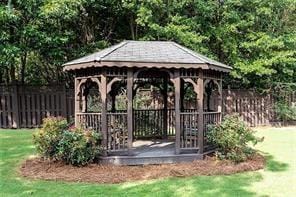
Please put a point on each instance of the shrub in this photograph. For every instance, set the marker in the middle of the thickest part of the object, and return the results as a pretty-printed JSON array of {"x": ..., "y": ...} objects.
[
  {"x": 55, "y": 140},
  {"x": 78, "y": 147},
  {"x": 232, "y": 138},
  {"x": 284, "y": 111},
  {"x": 48, "y": 137}
]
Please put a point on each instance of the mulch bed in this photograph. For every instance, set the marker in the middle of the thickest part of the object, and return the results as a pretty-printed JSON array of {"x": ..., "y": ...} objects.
[{"x": 95, "y": 173}]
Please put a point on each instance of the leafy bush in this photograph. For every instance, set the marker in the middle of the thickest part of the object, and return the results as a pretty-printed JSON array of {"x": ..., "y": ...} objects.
[
  {"x": 284, "y": 111},
  {"x": 49, "y": 136},
  {"x": 78, "y": 147},
  {"x": 232, "y": 138},
  {"x": 55, "y": 140}
]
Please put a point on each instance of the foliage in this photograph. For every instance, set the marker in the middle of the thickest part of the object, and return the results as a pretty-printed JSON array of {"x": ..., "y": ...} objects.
[
  {"x": 256, "y": 37},
  {"x": 48, "y": 137},
  {"x": 232, "y": 138},
  {"x": 142, "y": 100},
  {"x": 78, "y": 147},
  {"x": 284, "y": 111},
  {"x": 55, "y": 140},
  {"x": 94, "y": 100}
]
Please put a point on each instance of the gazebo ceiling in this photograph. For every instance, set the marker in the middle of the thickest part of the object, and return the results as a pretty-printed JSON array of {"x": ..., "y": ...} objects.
[{"x": 148, "y": 54}]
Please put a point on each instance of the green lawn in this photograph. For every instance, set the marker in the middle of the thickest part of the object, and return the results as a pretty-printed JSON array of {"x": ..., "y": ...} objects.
[{"x": 277, "y": 179}]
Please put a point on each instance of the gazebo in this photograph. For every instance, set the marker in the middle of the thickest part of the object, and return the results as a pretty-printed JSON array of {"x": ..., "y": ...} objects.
[{"x": 145, "y": 136}]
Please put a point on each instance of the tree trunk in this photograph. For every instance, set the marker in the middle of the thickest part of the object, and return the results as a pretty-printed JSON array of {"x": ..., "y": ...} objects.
[
  {"x": 132, "y": 22},
  {"x": 9, "y": 5},
  {"x": 1, "y": 74},
  {"x": 12, "y": 74},
  {"x": 23, "y": 67}
]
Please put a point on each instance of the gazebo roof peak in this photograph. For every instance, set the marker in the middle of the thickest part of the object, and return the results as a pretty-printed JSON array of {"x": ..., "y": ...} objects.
[{"x": 159, "y": 54}]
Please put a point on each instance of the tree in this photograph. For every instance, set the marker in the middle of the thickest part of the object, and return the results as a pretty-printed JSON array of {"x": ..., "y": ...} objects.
[{"x": 256, "y": 37}]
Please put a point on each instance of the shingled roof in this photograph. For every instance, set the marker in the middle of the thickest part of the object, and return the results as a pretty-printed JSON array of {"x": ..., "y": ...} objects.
[{"x": 159, "y": 54}]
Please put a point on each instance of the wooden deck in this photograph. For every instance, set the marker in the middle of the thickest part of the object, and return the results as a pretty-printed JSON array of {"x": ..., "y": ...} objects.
[{"x": 151, "y": 152}]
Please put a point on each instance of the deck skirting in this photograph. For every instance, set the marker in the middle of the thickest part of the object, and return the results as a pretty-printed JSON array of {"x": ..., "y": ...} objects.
[{"x": 148, "y": 160}]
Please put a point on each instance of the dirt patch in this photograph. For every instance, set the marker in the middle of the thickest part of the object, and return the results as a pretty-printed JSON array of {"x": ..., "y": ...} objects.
[{"x": 40, "y": 169}]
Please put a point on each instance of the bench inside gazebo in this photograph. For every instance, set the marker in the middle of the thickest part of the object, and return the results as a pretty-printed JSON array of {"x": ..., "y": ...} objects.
[{"x": 107, "y": 85}]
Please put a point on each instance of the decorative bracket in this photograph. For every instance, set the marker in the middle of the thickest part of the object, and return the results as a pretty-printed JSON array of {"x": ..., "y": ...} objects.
[
  {"x": 215, "y": 82},
  {"x": 79, "y": 85},
  {"x": 109, "y": 85},
  {"x": 195, "y": 85},
  {"x": 82, "y": 81}
]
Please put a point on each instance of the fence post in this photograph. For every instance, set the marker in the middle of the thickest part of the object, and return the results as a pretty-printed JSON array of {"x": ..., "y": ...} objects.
[
  {"x": 270, "y": 109},
  {"x": 15, "y": 107},
  {"x": 64, "y": 102}
]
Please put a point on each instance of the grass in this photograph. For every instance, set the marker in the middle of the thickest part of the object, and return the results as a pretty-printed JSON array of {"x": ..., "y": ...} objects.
[{"x": 277, "y": 179}]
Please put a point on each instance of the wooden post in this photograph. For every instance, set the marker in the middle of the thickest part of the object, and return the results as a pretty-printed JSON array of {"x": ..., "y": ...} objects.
[
  {"x": 200, "y": 112},
  {"x": 103, "y": 92},
  {"x": 220, "y": 105},
  {"x": 165, "y": 107},
  {"x": 177, "y": 83},
  {"x": 77, "y": 102},
  {"x": 182, "y": 95},
  {"x": 130, "y": 81},
  {"x": 15, "y": 108},
  {"x": 83, "y": 100}
]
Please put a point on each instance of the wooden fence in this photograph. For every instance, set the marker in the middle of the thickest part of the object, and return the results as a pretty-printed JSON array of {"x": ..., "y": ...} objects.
[
  {"x": 26, "y": 106},
  {"x": 254, "y": 108}
]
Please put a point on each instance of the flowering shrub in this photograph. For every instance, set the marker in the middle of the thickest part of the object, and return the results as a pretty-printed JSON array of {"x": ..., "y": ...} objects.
[
  {"x": 49, "y": 135},
  {"x": 232, "y": 138},
  {"x": 76, "y": 146}
]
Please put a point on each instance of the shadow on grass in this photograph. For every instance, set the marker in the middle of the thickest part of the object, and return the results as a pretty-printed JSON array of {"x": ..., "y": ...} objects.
[
  {"x": 234, "y": 185},
  {"x": 275, "y": 166}
]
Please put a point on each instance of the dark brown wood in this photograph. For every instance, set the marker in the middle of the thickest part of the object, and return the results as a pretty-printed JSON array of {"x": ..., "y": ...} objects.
[
  {"x": 29, "y": 110},
  {"x": 90, "y": 121},
  {"x": 8, "y": 107},
  {"x": 220, "y": 99},
  {"x": 34, "y": 110},
  {"x": 24, "y": 112},
  {"x": 103, "y": 91},
  {"x": 38, "y": 109},
  {"x": 117, "y": 131},
  {"x": 63, "y": 101},
  {"x": 130, "y": 81},
  {"x": 138, "y": 65},
  {"x": 177, "y": 84},
  {"x": 165, "y": 107},
  {"x": 15, "y": 107},
  {"x": 189, "y": 129},
  {"x": 200, "y": 112},
  {"x": 76, "y": 102},
  {"x": 148, "y": 123},
  {"x": 234, "y": 101},
  {"x": 149, "y": 160}
]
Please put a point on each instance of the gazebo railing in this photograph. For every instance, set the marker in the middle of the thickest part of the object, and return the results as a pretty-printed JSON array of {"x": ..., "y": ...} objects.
[
  {"x": 150, "y": 123},
  {"x": 90, "y": 121},
  {"x": 117, "y": 135},
  {"x": 154, "y": 122},
  {"x": 117, "y": 127},
  {"x": 189, "y": 127},
  {"x": 210, "y": 118}
]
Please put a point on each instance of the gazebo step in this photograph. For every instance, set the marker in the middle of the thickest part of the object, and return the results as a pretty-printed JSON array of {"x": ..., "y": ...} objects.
[{"x": 145, "y": 160}]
